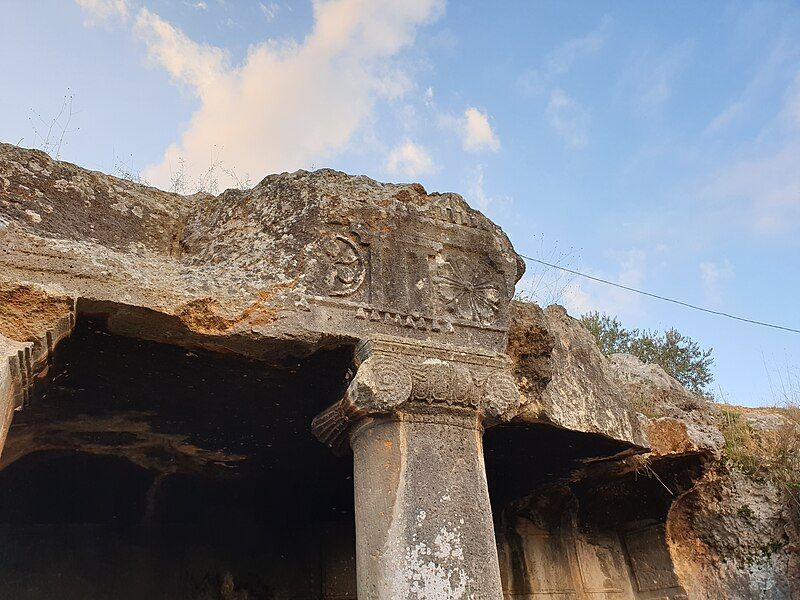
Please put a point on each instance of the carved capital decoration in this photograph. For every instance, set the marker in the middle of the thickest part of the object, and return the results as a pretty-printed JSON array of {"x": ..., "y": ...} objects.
[
  {"x": 502, "y": 395},
  {"x": 380, "y": 386},
  {"x": 395, "y": 376},
  {"x": 442, "y": 382}
]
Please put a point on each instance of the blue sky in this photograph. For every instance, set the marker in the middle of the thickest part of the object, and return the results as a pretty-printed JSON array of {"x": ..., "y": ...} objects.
[{"x": 656, "y": 145}]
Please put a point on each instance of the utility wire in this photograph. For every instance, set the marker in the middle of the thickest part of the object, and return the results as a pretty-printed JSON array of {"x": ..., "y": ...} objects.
[{"x": 686, "y": 304}]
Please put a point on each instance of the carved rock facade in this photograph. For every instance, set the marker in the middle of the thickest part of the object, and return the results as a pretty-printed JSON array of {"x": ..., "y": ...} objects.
[{"x": 164, "y": 355}]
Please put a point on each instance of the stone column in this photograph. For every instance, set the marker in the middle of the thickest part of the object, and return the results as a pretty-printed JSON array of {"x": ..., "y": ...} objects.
[{"x": 414, "y": 418}]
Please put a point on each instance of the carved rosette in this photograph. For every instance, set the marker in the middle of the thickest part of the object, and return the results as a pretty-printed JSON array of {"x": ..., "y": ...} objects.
[
  {"x": 345, "y": 266},
  {"x": 470, "y": 290},
  {"x": 400, "y": 378}
]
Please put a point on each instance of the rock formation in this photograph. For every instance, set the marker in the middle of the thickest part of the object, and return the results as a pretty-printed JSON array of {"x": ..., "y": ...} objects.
[{"x": 166, "y": 361}]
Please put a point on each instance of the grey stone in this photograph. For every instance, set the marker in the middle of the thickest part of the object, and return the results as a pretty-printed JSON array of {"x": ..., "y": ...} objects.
[
  {"x": 423, "y": 521},
  {"x": 415, "y": 415},
  {"x": 565, "y": 380}
]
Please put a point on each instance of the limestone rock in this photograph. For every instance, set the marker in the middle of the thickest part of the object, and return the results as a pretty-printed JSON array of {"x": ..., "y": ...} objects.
[
  {"x": 733, "y": 537},
  {"x": 300, "y": 261},
  {"x": 678, "y": 420},
  {"x": 308, "y": 261},
  {"x": 565, "y": 379}
]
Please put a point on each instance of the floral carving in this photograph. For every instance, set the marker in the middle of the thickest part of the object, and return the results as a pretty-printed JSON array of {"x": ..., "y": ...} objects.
[
  {"x": 422, "y": 382},
  {"x": 443, "y": 383},
  {"x": 347, "y": 269},
  {"x": 469, "y": 290}
]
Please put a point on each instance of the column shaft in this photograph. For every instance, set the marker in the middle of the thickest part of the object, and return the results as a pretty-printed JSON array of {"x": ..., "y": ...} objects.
[{"x": 423, "y": 520}]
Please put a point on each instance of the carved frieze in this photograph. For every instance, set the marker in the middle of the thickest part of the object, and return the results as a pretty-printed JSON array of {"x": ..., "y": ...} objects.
[
  {"x": 397, "y": 376},
  {"x": 420, "y": 266},
  {"x": 419, "y": 289},
  {"x": 443, "y": 382},
  {"x": 399, "y": 319}
]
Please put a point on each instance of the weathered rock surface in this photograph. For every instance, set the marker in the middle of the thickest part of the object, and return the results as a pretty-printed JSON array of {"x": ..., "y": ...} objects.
[
  {"x": 302, "y": 258},
  {"x": 301, "y": 261},
  {"x": 309, "y": 261},
  {"x": 679, "y": 421},
  {"x": 565, "y": 379},
  {"x": 733, "y": 537}
]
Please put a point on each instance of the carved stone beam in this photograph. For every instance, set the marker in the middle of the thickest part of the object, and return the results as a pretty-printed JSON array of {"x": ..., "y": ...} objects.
[{"x": 414, "y": 417}]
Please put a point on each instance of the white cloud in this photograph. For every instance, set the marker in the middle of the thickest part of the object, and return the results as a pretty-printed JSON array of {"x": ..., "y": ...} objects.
[
  {"x": 472, "y": 127},
  {"x": 100, "y": 11},
  {"x": 477, "y": 195},
  {"x": 289, "y": 103},
  {"x": 477, "y": 132},
  {"x": 760, "y": 187},
  {"x": 200, "y": 5},
  {"x": 758, "y": 183},
  {"x": 269, "y": 10},
  {"x": 564, "y": 114},
  {"x": 656, "y": 76},
  {"x": 561, "y": 59},
  {"x": 727, "y": 116},
  {"x": 577, "y": 301},
  {"x": 410, "y": 159},
  {"x": 713, "y": 276},
  {"x": 768, "y": 186},
  {"x": 780, "y": 59},
  {"x": 200, "y": 66},
  {"x": 581, "y": 296},
  {"x": 569, "y": 119},
  {"x": 476, "y": 192}
]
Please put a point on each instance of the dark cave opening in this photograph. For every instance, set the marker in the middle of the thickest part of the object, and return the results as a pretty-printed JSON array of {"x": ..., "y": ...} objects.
[
  {"x": 522, "y": 457},
  {"x": 145, "y": 470},
  {"x": 52, "y": 487},
  {"x": 578, "y": 514}
]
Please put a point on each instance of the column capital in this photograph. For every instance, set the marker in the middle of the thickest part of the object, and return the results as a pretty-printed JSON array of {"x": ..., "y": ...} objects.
[{"x": 398, "y": 376}]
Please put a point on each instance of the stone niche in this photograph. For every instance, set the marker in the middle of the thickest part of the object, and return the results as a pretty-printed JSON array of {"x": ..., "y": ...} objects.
[{"x": 562, "y": 535}]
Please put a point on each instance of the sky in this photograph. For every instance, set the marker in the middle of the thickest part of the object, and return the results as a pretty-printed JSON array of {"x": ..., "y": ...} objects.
[{"x": 655, "y": 145}]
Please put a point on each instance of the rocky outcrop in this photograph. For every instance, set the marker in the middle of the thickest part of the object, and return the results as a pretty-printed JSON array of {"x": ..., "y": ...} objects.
[
  {"x": 734, "y": 537},
  {"x": 736, "y": 533},
  {"x": 678, "y": 421},
  {"x": 731, "y": 532},
  {"x": 305, "y": 262},
  {"x": 565, "y": 380},
  {"x": 303, "y": 259}
]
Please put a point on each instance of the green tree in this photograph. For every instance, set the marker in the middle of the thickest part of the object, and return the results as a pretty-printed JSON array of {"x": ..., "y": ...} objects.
[{"x": 677, "y": 354}]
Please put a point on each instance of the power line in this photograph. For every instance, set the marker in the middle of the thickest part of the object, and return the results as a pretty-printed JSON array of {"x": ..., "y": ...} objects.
[{"x": 658, "y": 297}]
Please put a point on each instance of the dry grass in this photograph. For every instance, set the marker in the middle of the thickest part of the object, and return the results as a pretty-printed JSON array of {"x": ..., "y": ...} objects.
[
  {"x": 771, "y": 452},
  {"x": 765, "y": 454}
]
